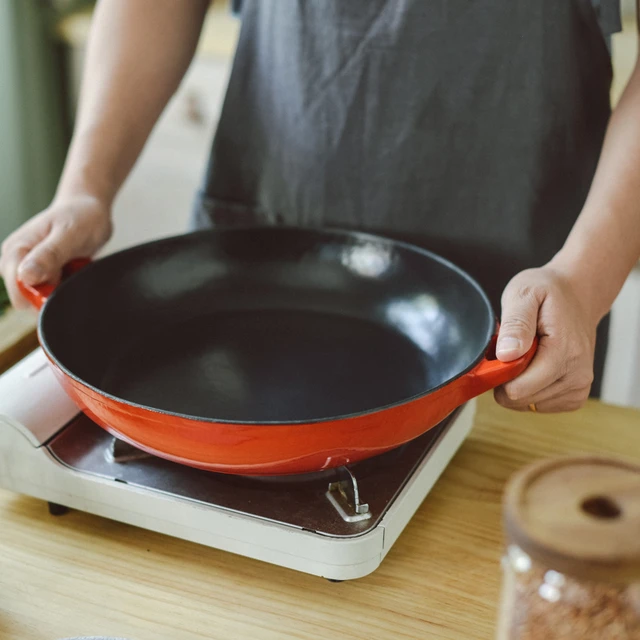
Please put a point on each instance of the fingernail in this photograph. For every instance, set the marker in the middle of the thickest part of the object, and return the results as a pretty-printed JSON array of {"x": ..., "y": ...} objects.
[
  {"x": 508, "y": 345},
  {"x": 31, "y": 272}
]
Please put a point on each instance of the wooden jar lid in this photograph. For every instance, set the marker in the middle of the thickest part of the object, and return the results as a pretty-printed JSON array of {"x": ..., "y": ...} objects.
[{"x": 579, "y": 516}]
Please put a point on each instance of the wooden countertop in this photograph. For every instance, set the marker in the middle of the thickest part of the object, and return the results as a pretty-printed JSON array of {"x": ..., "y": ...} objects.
[
  {"x": 17, "y": 336},
  {"x": 83, "y": 575}
]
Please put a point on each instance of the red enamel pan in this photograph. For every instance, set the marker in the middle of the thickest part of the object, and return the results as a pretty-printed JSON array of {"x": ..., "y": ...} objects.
[{"x": 270, "y": 351}]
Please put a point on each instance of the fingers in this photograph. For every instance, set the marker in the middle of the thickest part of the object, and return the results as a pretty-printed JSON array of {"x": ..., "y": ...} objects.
[
  {"x": 540, "y": 301},
  {"x": 559, "y": 378},
  {"x": 14, "y": 250},
  {"x": 519, "y": 322},
  {"x": 44, "y": 262},
  {"x": 548, "y": 366},
  {"x": 553, "y": 382},
  {"x": 554, "y": 399},
  {"x": 11, "y": 258},
  {"x": 36, "y": 252},
  {"x": 563, "y": 403}
]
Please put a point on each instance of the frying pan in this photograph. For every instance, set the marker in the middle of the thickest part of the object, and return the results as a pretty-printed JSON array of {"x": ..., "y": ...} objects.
[{"x": 269, "y": 351}]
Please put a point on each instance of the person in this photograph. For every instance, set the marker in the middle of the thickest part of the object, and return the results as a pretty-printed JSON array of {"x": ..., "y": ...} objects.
[{"x": 481, "y": 131}]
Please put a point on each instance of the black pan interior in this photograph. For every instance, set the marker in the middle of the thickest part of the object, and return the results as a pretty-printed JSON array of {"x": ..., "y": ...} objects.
[{"x": 267, "y": 325}]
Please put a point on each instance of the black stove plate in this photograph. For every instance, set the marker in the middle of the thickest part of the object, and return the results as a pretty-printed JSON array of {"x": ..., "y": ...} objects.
[{"x": 298, "y": 501}]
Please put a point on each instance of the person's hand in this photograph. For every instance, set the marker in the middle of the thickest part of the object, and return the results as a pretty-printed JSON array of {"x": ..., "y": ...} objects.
[
  {"x": 544, "y": 302},
  {"x": 36, "y": 252}
]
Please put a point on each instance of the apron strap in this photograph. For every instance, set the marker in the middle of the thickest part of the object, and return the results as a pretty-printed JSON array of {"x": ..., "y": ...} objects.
[{"x": 609, "y": 14}]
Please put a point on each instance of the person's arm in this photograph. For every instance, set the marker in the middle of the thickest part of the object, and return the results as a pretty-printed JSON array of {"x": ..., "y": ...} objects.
[
  {"x": 604, "y": 244},
  {"x": 137, "y": 55},
  {"x": 138, "y": 52},
  {"x": 564, "y": 301}
]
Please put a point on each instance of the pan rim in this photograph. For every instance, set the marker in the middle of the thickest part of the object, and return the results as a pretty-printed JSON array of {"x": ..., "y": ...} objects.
[{"x": 328, "y": 231}]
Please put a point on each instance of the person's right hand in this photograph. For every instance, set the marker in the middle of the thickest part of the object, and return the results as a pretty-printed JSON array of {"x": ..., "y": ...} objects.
[{"x": 36, "y": 252}]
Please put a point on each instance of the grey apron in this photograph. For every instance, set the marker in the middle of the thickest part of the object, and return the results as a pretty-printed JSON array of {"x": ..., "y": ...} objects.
[{"x": 470, "y": 127}]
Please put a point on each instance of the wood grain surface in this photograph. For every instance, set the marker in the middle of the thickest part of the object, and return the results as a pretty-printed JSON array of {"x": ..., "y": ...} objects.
[
  {"x": 83, "y": 575},
  {"x": 17, "y": 336}
]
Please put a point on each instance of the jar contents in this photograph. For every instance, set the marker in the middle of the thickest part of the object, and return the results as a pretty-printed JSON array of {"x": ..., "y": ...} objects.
[
  {"x": 571, "y": 570},
  {"x": 548, "y": 605}
]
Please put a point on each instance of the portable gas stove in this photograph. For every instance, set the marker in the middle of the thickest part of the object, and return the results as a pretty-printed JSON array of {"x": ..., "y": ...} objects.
[{"x": 337, "y": 523}]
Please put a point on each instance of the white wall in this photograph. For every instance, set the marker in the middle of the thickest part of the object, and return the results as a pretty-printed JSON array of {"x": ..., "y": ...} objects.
[
  {"x": 628, "y": 7},
  {"x": 621, "y": 384}
]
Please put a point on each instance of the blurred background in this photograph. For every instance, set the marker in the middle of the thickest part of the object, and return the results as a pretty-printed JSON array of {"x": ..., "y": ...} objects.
[
  {"x": 42, "y": 44},
  {"x": 41, "y": 61}
]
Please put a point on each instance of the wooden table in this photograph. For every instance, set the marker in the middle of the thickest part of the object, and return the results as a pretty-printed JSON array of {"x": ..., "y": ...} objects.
[
  {"x": 83, "y": 575},
  {"x": 17, "y": 337}
]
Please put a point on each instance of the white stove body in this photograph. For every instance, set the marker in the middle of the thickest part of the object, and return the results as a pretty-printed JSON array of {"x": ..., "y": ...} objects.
[{"x": 33, "y": 408}]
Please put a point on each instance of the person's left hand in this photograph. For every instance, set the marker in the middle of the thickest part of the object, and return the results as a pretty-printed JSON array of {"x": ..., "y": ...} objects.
[{"x": 543, "y": 302}]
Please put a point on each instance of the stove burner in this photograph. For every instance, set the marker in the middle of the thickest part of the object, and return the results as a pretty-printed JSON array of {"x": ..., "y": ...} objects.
[
  {"x": 343, "y": 502},
  {"x": 344, "y": 495},
  {"x": 120, "y": 452},
  {"x": 360, "y": 469},
  {"x": 342, "y": 492}
]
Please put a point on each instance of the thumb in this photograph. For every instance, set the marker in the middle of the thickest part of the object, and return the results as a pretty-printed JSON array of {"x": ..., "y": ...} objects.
[
  {"x": 45, "y": 261},
  {"x": 519, "y": 324}
]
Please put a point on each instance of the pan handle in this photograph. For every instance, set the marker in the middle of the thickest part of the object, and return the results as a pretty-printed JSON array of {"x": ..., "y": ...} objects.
[
  {"x": 37, "y": 295},
  {"x": 491, "y": 372}
]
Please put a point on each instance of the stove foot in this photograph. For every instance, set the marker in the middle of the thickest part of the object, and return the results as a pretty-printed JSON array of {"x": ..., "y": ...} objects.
[{"x": 57, "y": 509}]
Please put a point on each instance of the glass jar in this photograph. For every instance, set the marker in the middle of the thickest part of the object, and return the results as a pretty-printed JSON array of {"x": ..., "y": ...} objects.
[{"x": 571, "y": 570}]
